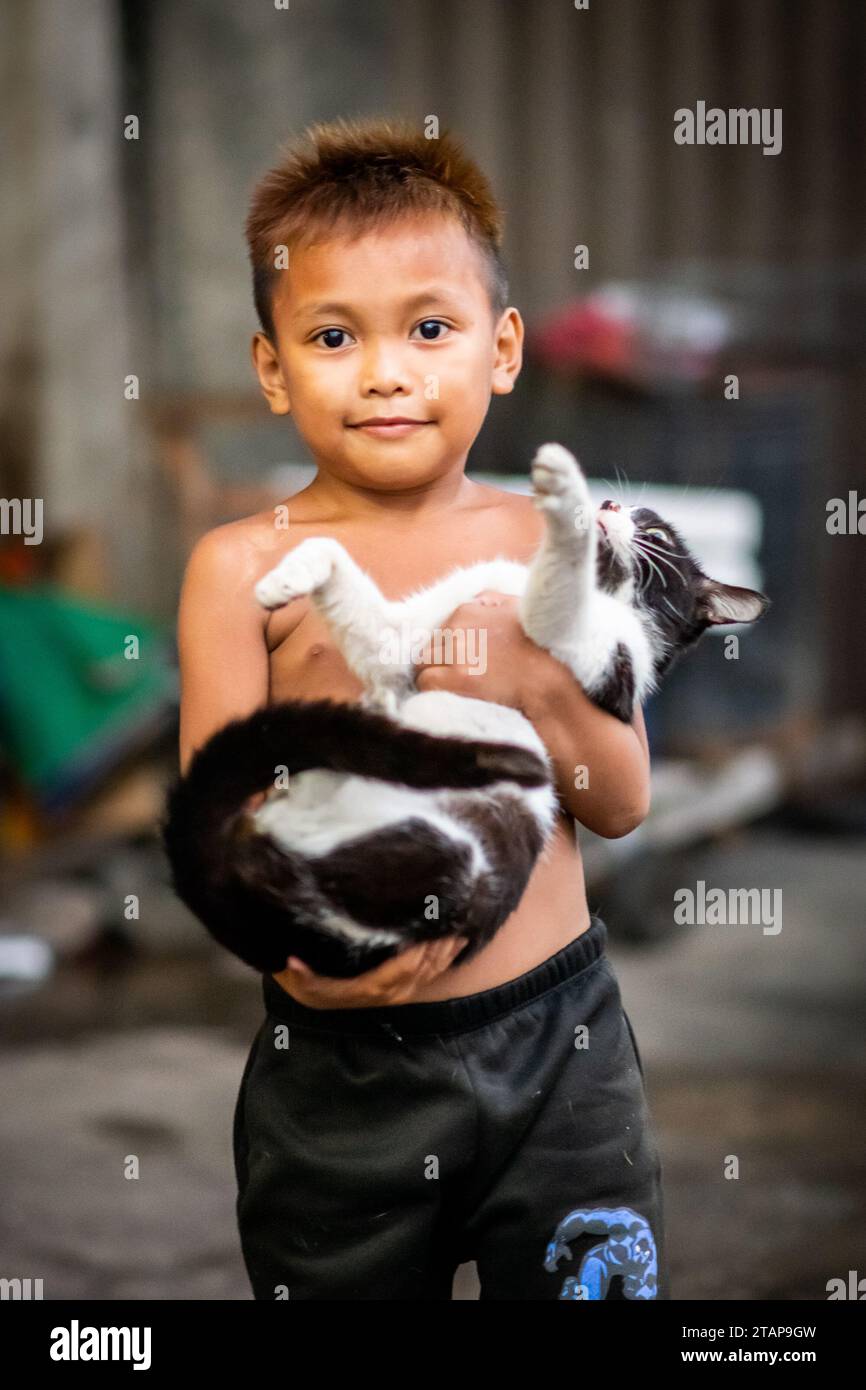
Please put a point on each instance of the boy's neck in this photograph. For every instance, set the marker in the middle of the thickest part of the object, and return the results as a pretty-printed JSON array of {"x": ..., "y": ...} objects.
[{"x": 339, "y": 499}]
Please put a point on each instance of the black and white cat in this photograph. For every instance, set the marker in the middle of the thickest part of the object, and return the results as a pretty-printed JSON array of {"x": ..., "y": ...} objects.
[{"x": 418, "y": 815}]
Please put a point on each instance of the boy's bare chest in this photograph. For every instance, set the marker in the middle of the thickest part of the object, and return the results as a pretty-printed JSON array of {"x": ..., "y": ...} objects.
[{"x": 304, "y": 662}]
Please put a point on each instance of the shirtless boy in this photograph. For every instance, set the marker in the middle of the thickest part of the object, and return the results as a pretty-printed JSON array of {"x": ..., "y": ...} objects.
[{"x": 382, "y": 297}]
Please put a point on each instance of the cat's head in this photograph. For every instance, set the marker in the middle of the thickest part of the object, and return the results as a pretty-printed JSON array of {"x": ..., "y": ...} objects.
[{"x": 642, "y": 556}]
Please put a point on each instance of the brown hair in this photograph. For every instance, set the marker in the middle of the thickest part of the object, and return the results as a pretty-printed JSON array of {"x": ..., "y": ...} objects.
[{"x": 344, "y": 175}]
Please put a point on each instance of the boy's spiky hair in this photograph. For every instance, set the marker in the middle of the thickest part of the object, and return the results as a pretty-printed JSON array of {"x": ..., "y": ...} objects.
[{"x": 344, "y": 175}]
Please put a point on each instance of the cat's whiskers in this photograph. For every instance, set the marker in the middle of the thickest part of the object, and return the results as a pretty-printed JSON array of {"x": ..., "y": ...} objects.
[
  {"x": 667, "y": 563},
  {"x": 654, "y": 545},
  {"x": 638, "y": 501},
  {"x": 655, "y": 567},
  {"x": 618, "y": 489},
  {"x": 622, "y": 486},
  {"x": 644, "y": 545},
  {"x": 643, "y": 556},
  {"x": 643, "y": 567},
  {"x": 613, "y": 488}
]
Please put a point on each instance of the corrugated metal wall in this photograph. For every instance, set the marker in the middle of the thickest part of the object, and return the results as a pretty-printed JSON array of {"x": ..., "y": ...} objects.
[{"x": 572, "y": 112}]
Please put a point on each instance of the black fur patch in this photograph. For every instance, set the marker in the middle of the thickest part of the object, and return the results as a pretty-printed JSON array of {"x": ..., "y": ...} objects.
[
  {"x": 616, "y": 695},
  {"x": 511, "y": 839}
]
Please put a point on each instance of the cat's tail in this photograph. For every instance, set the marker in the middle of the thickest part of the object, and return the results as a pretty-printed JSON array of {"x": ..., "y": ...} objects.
[
  {"x": 212, "y": 846},
  {"x": 247, "y": 755}
]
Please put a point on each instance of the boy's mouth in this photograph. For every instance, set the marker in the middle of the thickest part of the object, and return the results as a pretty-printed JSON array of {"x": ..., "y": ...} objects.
[{"x": 390, "y": 426}]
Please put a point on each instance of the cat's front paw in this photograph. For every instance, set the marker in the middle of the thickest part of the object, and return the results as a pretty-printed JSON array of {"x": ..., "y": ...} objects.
[
  {"x": 556, "y": 476},
  {"x": 558, "y": 481},
  {"x": 304, "y": 570}
]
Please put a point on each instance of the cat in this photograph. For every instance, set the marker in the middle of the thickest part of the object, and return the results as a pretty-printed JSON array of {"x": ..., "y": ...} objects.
[{"x": 412, "y": 816}]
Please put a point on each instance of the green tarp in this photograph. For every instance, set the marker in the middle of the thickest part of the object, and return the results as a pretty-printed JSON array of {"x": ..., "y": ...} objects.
[{"x": 74, "y": 695}]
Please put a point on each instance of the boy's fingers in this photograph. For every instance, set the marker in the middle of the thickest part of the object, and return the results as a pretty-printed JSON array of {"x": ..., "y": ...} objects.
[
  {"x": 426, "y": 961},
  {"x": 456, "y": 948},
  {"x": 443, "y": 954},
  {"x": 307, "y": 985},
  {"x": 435, "y": 954},
  {"x": 444, "y": 951},
  {"x": 391, "y": 974},
  {"x": 409, "y": 964},
  {"x": 391, "y": 980},
  {"x": 394, "y": 977}
]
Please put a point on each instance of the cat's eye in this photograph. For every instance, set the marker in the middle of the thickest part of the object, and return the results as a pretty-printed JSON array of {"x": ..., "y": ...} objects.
[{"x": 657, "y": 531}]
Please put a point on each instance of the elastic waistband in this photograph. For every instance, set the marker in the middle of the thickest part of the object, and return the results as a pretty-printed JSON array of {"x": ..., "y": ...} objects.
[{"x": 446, "y": 1015}]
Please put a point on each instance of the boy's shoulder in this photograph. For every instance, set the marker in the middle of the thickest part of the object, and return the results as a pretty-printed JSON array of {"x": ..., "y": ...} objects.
[
  {"x": 221, "y": 573},
  {"x": 244, "y": 550},
  {"x": 240, "y": 544}
]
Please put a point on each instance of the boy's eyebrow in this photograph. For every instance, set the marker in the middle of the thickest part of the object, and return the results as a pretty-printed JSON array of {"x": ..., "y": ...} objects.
[{"x": 433, "y": 295}]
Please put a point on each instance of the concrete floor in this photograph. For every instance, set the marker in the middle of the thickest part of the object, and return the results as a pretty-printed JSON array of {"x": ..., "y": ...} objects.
[{"x": 753, "y": 1045}]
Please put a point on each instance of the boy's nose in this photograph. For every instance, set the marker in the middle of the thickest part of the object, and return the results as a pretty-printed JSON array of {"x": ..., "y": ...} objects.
[{"x": 384, "y": 373}]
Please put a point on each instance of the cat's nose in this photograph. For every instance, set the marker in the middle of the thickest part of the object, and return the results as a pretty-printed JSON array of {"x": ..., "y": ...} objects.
[{"x": 610, "y": 506}]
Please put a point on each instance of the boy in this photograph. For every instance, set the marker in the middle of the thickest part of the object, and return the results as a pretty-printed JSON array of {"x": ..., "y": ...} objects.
[{"x": 421, "y": 1115}]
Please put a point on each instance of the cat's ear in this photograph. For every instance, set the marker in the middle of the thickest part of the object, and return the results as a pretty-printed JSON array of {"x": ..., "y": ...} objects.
[{"x": 728, "y": 603}]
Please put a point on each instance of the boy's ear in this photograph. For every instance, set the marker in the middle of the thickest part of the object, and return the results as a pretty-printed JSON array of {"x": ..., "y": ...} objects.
[
  {"x": 508, "y": 357},
  {"x": 270, "y": 374}
]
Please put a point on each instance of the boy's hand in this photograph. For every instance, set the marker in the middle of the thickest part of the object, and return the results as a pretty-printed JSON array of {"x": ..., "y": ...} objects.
[
  {"x": 395, "y": 981},
  {"x": 500, "y": 660}
]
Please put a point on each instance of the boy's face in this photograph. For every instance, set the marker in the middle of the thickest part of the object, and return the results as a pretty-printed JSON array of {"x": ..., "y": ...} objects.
[{"x": 392, "y": 322}]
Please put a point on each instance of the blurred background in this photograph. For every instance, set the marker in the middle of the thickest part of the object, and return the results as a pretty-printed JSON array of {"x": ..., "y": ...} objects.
[{"x": 708, "y": 351}]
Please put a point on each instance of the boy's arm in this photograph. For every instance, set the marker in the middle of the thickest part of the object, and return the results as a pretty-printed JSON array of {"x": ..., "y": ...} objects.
[
  {"x": 221, "y": 643},
  {"x": 601, "y": 765}
]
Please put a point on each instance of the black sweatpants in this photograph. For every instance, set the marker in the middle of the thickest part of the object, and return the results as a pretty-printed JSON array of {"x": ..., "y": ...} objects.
[{"x": 376, "y": 1149}]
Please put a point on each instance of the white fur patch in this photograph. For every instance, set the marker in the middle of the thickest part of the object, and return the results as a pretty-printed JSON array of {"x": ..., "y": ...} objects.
[{"x": 322, "y": 811}]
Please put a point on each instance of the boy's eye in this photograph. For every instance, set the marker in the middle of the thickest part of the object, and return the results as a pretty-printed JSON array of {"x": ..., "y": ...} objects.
[
  {"x": 327, "y": 333},
  {"x": 431, "y": 323}
]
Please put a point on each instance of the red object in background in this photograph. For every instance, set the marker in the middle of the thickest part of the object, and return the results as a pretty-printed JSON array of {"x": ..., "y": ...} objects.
[
  {"x": 583, "y": 336},
  {"x": 652, "y": 336},
  {"x": 19, "y": 563}
]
